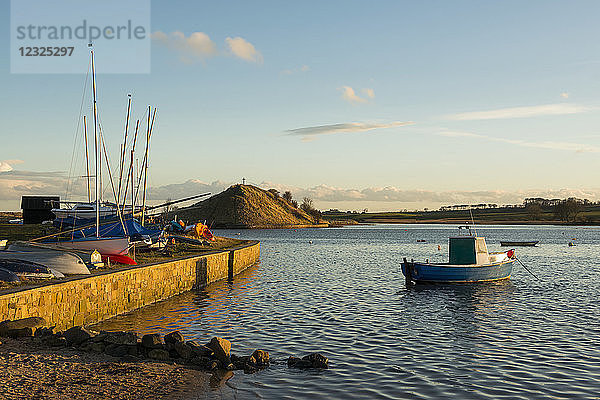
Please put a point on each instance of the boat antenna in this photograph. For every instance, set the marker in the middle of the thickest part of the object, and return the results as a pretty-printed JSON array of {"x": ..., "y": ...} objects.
[{"x": 472, "y": 220}]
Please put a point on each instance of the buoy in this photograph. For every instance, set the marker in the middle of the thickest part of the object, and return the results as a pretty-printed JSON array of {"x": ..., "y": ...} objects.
[{"x": 439, "y": 247}]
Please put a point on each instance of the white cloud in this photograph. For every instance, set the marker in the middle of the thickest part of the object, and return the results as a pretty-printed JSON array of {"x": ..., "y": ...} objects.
[
  {"x": 243, "y": 49},
  {"x": 329, "y": 195},
  {"x": 521, "y": 112},
  {"x": 292, "y": 71},
  {"x": 309, "y": 133},
  {"x": 350, "y": 96},
  {"x": 197, "y": 46},
  {"x": 7, "y": 165},
  {"x": 548, "y": 145}
]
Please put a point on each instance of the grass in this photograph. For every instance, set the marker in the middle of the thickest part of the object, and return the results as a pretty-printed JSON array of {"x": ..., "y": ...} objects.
[{"x": 589, "y": 215}]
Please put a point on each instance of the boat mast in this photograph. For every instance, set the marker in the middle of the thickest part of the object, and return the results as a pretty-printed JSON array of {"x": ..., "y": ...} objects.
[
  {"x": 96, "y": 146},
  {"x": 132, "y": 191},
  {"x": 122, "y": 161},
  {"x": 87, "y": 159},
  {"x": 129, "y": 170},
  {"x": 112, "y": 185},
  {"x": 145, "y": 163}
]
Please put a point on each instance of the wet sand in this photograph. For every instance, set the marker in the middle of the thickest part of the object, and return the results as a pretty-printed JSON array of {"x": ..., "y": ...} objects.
[{"x": 29, "y": 370}]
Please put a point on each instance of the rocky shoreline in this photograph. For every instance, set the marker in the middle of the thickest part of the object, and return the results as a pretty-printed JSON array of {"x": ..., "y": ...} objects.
[{"x": 36, "y": 362}]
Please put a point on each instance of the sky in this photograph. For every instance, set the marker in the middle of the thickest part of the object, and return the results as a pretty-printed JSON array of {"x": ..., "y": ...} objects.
[{"x": 383, "y": 105}]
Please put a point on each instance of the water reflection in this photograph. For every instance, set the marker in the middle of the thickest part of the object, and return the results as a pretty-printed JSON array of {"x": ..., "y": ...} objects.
[
  {"x": 341, "y": 292},
  {"x": 210, "y": 306}
]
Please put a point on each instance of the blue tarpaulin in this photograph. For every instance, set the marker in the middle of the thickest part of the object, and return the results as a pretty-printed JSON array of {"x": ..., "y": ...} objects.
[{"x": 134, "y": 230}]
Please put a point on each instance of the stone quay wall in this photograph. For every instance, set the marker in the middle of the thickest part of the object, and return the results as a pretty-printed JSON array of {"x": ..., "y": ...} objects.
[{"x": 91, "y": 299}]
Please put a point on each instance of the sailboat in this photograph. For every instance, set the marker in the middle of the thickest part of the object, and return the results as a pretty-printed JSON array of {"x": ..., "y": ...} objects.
[
  {"x": 107, "y": 246},
  {"x": 84, "y": 211}
]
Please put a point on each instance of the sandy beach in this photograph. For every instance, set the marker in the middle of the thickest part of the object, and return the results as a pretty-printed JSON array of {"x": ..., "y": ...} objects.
[{"x": 29, "y": 370}]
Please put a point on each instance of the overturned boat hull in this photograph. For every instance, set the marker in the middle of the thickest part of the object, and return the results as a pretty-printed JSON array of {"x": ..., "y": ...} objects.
[
  {"x": 8, "y": 276},
  {"x": 28, "y": 269},
  {"x": 62, "y": 261}
]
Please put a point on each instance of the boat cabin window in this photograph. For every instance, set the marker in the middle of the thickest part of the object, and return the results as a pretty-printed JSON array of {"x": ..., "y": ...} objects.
[{"x": 84, "y": 208}]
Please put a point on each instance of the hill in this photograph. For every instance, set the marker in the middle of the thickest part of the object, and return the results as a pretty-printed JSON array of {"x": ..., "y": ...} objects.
[{"x": 246, "y": 206}]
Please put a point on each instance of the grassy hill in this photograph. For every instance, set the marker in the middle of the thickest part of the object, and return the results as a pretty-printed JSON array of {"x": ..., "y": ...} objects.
[{"x": 246, "y": 206}]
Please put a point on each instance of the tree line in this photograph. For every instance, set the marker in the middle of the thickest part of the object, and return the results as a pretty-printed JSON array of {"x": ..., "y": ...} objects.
[{"x": 307, "y": 203}]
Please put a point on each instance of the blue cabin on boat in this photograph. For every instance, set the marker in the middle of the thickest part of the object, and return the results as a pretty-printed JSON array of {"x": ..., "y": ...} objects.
[{"x": 466, "y": 250}]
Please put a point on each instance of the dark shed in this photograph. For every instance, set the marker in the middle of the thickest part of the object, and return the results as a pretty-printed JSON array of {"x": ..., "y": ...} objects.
[{"x": 36, "y": 209}]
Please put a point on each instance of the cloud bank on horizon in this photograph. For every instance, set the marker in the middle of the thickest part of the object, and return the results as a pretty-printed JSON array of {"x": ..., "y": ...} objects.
[{"x": 14, "y": 184}]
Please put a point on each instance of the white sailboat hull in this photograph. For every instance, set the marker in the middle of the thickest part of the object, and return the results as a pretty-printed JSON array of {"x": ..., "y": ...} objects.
[
  {"x": 83, "y": 214},
  {"x": 105, "y": 246},
  {"x": 60, "y": 260}
]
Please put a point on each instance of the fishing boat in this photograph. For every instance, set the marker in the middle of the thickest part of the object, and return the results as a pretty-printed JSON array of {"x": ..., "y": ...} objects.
[
  {"x": 531, "y": 243},
  {"x": 469, "y": 261}
]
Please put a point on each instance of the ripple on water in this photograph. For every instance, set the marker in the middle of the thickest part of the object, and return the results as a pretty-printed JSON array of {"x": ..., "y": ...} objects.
[{"x": 344, "y": 296}]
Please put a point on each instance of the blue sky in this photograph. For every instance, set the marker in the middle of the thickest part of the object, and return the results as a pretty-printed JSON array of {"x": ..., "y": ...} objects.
[{"x": 419, "y": 104}]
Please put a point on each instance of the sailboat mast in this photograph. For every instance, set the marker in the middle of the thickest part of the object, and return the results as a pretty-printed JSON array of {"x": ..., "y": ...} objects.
[
  {"x": 129, "y": 170},
  {"x": 96, "y": 148},
  {"x": 87, "y": 159},
  {"x": 145, "y": 165},
  {"x": 132, "y": 191},
  {"x": 124, "y": 147}
]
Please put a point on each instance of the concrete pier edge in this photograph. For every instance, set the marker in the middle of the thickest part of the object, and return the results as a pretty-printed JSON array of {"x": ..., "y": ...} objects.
[{"x": 86, "y": 300}]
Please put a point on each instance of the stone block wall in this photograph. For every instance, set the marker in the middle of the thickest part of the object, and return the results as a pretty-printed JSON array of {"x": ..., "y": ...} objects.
[{"x": 91, "y": 299}]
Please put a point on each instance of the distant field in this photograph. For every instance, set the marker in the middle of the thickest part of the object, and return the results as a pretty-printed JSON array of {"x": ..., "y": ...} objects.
[{"x": 589, "y": 215}]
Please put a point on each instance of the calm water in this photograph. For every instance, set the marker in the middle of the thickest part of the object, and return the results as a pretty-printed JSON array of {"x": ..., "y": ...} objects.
[{"x": 341, "y": 292}]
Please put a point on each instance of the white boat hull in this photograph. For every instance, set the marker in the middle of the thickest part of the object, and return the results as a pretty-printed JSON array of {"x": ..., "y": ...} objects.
[
  {"x": 61, "y": 261},
  {"x": 87, "y": 214},
  {"x": 105, "y": 246}
]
